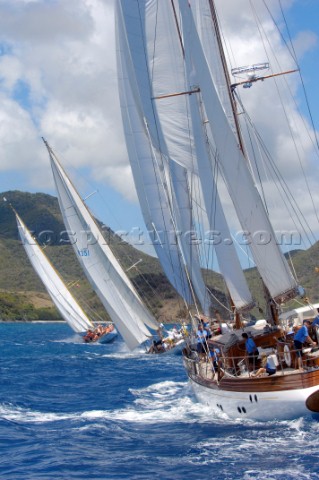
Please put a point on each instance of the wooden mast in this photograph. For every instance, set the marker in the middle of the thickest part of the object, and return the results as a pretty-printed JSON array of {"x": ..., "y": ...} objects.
[{"x": 271, "y": 304}]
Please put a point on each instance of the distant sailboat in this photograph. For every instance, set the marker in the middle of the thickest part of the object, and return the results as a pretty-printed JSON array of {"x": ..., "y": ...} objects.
[
  {"x": 62, "y": 298},
  {"x": 180, "y": 118},
  {"x": 120, "y": 299}
]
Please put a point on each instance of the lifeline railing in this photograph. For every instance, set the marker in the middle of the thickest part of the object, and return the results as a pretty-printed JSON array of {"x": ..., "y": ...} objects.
[{"x": 285, "y": 362}]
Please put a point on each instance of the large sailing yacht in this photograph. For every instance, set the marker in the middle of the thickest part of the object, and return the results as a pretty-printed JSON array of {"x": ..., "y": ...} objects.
[{"x": 185, "y": 144}]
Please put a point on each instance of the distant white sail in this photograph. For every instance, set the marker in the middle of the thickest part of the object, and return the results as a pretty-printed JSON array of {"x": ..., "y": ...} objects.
[
  {"x": 59, "y": 293},
  {"x": 103, "y": 271}
]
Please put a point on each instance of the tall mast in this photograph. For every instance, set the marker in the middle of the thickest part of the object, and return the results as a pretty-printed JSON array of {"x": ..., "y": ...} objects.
[
  {"x": 226, "y": 73},
  {"x": 233, "y": 107},
  {"x": 272, "y": 308}
]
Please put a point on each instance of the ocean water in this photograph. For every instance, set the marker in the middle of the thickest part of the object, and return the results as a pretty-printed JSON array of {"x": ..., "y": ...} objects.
[{"x": 72, "y": 411}]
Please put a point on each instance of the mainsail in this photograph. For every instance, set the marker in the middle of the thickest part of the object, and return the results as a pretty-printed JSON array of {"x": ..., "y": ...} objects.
[
  {"x": 165, "y": 102},
  {"x": 61, "y": 296},
  {"x": 176, "y": 109},
  {"x": 161, "y": 183},
  {"x": 102, "y": 269},
  {"x": 249, "y": 207}
]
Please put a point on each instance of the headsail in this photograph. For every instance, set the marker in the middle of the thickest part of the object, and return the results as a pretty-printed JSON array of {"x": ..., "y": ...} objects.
[
  {"x": 61, "y": 296},
  {"x": 103, "y": 271}
]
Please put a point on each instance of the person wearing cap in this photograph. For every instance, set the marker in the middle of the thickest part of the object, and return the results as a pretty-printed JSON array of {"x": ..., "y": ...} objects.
[{"x": 300, "y": 337}]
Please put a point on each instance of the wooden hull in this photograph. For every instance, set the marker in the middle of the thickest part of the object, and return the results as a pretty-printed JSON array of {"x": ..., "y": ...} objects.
[{"x": 279, "y": 397}]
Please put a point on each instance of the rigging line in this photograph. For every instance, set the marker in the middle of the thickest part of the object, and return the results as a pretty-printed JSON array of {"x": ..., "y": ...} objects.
[
  {"x": 256, "y": 166},
  {"x": 170, "y": 209},
  {"x": 224, "y": 69},
  {"x": 168, "y": 197},
  {"x": 288, "y": 31},
  {"x": 265, "y": 170},
  {"x": 200, "y": 229},
  {"x": 189, "y": 192},
  {"x": 279, "y": 177},
  {"x": 300, "y": 76},
  {"x": 218, "y": 301},
  {"x": 259, "y": 28},
  {"x": 83, "y": 300},
  {"x": 291, "y": 51},
  {"x": 192, "y": 225},
  {"x": 284, "y": 109},
  {"x": 168, "y": 254},
  {"x": 315, "y": 139},
  {"x": 154, "y": 42},
  {"x": 158, "y": 137},
  {"x": 93, "y": 312},
  {"x": 213, "y": 206},
  {"x": 251, "y": 261},
  {"x": 177, "y": 27},
  {"x": 295, "y": 144},
  {"x": 292, "y": 266}
]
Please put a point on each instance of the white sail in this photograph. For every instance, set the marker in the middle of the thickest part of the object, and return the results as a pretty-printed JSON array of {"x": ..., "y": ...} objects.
[
  {"x": 100, "y": 265},
  {"x": 173, "y": 117},
  {"x": 227, "y": 258},
  {"x": 59, "y": 293},
  {"x": 202, "y": 12},
  {"x": 251, "y": 213},
  {"x": 161, "y": 184}
]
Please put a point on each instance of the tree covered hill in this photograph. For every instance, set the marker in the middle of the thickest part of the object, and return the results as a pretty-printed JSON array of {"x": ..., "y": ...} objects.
[
  {"x": 22, "y": 294},
  {"x": 20, "y": 286}
]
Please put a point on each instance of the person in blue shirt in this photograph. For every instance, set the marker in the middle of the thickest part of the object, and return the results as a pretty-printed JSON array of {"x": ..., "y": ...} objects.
[
  {"x": 201, "y": 339},
  {"x": 316, "y": 320},
  {"x": 251, "y": 349},
  {"x": 300, "y": 337},
  {"x": 214, "y": 354}
]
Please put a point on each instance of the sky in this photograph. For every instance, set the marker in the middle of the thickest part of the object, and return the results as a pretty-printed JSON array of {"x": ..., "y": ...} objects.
[{"x": 58, "y": 81}]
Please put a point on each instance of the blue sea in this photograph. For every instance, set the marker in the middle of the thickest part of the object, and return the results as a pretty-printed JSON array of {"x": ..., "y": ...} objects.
[{"x": 74, "y": 411}]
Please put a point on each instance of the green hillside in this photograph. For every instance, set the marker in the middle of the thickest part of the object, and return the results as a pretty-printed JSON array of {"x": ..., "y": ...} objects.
[
  {"x": 41, "y": 214},
  {"x": 22, "y": 295}
]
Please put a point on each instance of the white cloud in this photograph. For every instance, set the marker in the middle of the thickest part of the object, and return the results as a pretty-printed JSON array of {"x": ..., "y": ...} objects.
[{"x": 63, "y": 54}]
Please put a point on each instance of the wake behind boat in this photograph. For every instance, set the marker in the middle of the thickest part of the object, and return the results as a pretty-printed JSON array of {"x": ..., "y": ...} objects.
[{"x": 62, "y": 298}]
